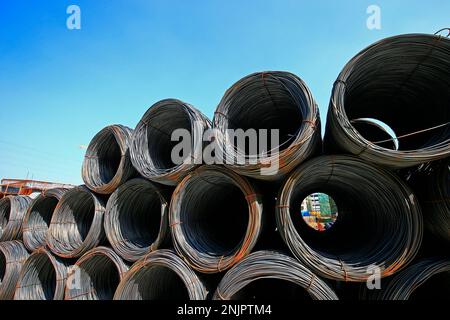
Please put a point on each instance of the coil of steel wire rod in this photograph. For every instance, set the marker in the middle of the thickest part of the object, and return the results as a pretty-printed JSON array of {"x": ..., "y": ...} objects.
[
  {"x": 12, "y": 212},
  {"x": 100, "y": 271},
  {"x": 215, "y": 218},
  {"x": 269, "y": 101},
  {"x": 427, "y": 279},
  {"x": 38, "y": 217},
  {"x": 151, "y": 147},
  {"x": 161, "y": 275},
  {"x": 43, "y": 277},
  {"x": 431, "y": 183},
  {"x": 403, "y": 82},
  {"x": 12, "y": 256},
  {"x": 271, "y": 275},
  {"x": 379, "y": 222},
  {"x": 136, "y": 218},
  {"x": 107, "y": 162},
  {"x": 77, "y": 223}
]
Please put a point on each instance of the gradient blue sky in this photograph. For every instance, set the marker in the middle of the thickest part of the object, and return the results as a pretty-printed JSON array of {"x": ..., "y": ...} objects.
[{"x": 58, "y": 87}]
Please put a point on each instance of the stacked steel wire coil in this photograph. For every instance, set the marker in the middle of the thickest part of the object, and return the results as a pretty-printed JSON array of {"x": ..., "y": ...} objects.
[
  {"x": 267, "y": 101},
  {"x": 156, "y": 220}
]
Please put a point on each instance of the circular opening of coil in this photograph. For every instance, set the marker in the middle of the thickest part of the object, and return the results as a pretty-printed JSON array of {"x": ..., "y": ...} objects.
[
  {"x": 271, "y": 289},
  {"x": 41, "y": 215},
  {"x": 159, "y": 283},
  {"x": 139, "y": 215},
  {"x": 109, "y": 156},
  {"x": 214, "y": 215},
  {"x": 435, "y": 288},
  {"x": 377, "y": 132},
  {"x": 101, "y": 275},
  {"x": 159, "y": 134},
  {"x": 319, "y": 211},
  {"x": 76, "y": 208},
  {"x": 39, "y": 277},
  {"x": 271, "y": 107},
  {"x": 2, "y": 266},
  {"x": 5, "y": 210}
]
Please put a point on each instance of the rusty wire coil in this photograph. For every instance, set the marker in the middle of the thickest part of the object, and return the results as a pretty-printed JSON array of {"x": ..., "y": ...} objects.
[
  {"x": 38, "y": 217},
  {"x": 12, "y": 212},
  {"x": 161, "y": 275},
  {"x": 136, "y": 219},
  {"x": 431, "y": 182},
  {"x": 403, "y": 82},
  {"x": 426, "y": 279},
  {"x": 215, "y": 218},
  {"x": 107, "y": 162},
  {"x": 379, "y": 222},
  {"x": 77, "y": 223},
  {"x": 12, "y": 256},
  {"x": 268, "y": 100},
  {"x": 43, "y": 277},
  {"x": 152, "y": 145},
  {"x": 271, "y": 275},
  {"x": 99, "y": 272}
]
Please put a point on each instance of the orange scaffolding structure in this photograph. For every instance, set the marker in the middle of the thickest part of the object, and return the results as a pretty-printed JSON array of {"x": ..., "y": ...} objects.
[{"x": 27, "y": 187}]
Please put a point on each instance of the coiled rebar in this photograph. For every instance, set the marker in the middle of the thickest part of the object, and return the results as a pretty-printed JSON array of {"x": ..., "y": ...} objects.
[
  {"x": 43, "y": 277},
  {"x": 403, "y": 82},
  {"x": 246, "y": 279},
  {"x": 215, "y": 218},
  {"x": 152, "y": 145},
  {"x": 100, "y": 271},
  {"x": 107, "y": 162},
  {"x": 38, "y": 217},
  {"x": 161, "y": 275},
  {"x": 77, "y": 223},
  {"x": 379, "y": 224},
  {"x": 136, "y": 219},
  {"x": 427, "y": 279},
  {"x": 12, "y": 212},
  {"x": 268, "y": 100},
  {"x": 12, "y": 256}
]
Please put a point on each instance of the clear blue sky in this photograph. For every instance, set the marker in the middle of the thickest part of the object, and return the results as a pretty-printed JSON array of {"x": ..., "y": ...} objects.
[{"x": 58, "y": 87}]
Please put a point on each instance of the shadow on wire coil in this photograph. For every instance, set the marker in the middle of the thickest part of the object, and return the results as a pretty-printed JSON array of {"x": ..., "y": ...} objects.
[
  {"x": 12, "y": 256},
  {"x": 151, "y": 147},
  {"x": 161, "y": 275},
  {"x": 402, "y": 82},
  {"x": 269, "y": 101},
  {"x": 379, "y": 224},
  {"x": 269, "y": 275},
  {"x": 431, "y": 182},
  {"x": 77, "y": 223},
  {"x": 12, "y": 212},
  {"x": 99, "y": 272},
  {"x": 107, "y": 162},
  {"x": 43, "y": 277},
  {"x": 136, "y": 218},
  {"x": 215, "y": 218},
  {"x": 428, "y": 279},
  {"x": 38, "y": 217}
]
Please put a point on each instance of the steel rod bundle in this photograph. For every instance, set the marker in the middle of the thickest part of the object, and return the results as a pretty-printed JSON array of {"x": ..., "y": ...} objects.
[
  {"x": 152, "y": 143},
  {"x": 136, "y": 218},
  {"x": 268, "y": 100},
  {"x": 402, "y": 81},
  {"x": 100, "y": 271},
  {"x": 43, "y": 277},
  {"x": 161, "y": 275},
  {"x": 107, "y": 162},
  {"x": 215, "y": 218},
  {"x": 268, "y": 266},
  {"x": 77, "y": 223},
  {"x": 38, "y": 217},
  {"x": 12, "y": 256},
  {"x": 12, "y": 212},
  {"x": 379, "y": 223},
  {"x": 431, "y": 183},
  {"x": 428, "y": 279}
]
